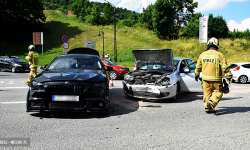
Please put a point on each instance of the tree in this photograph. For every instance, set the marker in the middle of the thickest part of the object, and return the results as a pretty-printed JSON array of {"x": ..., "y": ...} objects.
[
  {"x": 79, "y": 8},
  {"x": 168, "y": 16},
  {"x": 193, "y": 26},
  {"x": 96, "y": 15},
  {"x": 19, "y": 18},
  {"x": 108, "y": 13},
  {"x": 217, "y": 27},
  {"x": 147, "y": 17}
]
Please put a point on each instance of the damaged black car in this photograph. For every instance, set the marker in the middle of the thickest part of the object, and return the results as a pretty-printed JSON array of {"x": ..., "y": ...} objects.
[{"x": 72, "y": 82}]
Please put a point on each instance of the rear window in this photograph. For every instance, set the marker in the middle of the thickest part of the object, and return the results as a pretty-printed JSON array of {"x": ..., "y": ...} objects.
[
  {"x": 232, "y": 66},
  {"x": 246, "y": 65}
]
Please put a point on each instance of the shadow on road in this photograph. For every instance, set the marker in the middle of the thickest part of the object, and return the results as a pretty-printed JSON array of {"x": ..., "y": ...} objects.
[{"x": 231, "y": 110}]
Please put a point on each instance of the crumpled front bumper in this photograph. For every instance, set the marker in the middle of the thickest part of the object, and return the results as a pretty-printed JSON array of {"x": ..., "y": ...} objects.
[{"x": 150, "y": 92}]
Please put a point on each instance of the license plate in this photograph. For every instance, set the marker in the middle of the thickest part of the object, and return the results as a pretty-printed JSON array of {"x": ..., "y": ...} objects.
[
  {"x": 65, "y": 98},
  {"x": 27, "y": 70}
]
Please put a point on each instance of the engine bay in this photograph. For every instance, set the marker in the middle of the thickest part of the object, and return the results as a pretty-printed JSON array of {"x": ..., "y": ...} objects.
[{"x": 147, "y": 78}]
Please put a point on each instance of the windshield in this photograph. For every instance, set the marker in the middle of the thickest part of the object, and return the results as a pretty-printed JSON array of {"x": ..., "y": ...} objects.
[
  {"x": 156, "y": 67},
  {"x": 176, "y": 63},
  {"x": 109, "y": 62},
  {"x": 16, "y": 60},
  {"x": 75, "y": 63}
]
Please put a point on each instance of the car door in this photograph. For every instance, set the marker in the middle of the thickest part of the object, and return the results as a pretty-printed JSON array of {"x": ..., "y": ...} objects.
[
  {"x": 1, "y": 62},
  {"x": 246, "y": 70},
  {"x": 7, "y": 64},
  {"x": 188, "y": 83}
]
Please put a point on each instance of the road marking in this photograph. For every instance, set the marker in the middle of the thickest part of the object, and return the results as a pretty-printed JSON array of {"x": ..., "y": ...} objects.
[
  {"x": 14, "y": 87},
  {"x": 17, "y": 102},
  {"x": 11, "y": 82}
]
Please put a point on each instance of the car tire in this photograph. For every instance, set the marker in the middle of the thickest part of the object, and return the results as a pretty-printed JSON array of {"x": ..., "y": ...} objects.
[
  {"x": 113, "y": 75},
  {"x": 243, "y": 79},
  {"x": 27, "y": 101},
  {"x": 13, "y": 69}
]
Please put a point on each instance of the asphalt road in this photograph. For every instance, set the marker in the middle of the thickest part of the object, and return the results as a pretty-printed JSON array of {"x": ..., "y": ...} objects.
[{"x": 131, "y": 124}]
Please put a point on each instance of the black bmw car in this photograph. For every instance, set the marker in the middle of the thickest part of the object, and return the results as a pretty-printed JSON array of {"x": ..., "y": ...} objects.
[
  {"x": 13, "y": 64},
  {"x": 71, "y": 82}
]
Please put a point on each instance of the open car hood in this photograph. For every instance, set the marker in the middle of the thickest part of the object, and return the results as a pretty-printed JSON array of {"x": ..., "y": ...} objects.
[{"x": 154, "y": 57}]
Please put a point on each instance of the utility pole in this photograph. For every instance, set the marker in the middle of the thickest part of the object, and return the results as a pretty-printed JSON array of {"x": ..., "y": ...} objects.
[{"x": 115, "y": 46}]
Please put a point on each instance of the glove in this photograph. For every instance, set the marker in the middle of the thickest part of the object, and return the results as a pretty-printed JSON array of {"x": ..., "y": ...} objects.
[
  {"x": 230, "y": 80},
  {"x": 196, "y": 78}
]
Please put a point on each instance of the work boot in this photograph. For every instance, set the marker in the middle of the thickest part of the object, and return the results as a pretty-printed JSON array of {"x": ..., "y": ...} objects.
[
  {"x": 210, "y": 106},
  {"x": 209, "y": 110},
  {"x": 27, "y": 83}
]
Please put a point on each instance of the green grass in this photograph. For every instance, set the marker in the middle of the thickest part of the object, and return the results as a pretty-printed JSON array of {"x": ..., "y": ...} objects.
[{"x": 128, "y": 39}]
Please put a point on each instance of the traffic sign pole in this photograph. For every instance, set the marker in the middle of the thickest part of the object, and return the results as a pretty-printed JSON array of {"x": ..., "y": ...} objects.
[{"x": 65, "y": 39}]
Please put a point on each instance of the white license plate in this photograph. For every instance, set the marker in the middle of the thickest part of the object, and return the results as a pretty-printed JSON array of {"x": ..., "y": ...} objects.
[
  {"x": 27, "y": 70},
  {"x": 65, "y": 98}
]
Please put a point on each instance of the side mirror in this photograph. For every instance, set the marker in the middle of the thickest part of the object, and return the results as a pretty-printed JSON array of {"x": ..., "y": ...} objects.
[
  {"x": 186, "y": 70},
  {"x": 44, "y": 67},
  {"x": 107, "y": 68}
]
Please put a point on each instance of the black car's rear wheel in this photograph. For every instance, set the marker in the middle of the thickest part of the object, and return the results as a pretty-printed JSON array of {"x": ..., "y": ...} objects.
[
  {"x": 113, "y": 75},
  {"x": 13, "y": 69}
]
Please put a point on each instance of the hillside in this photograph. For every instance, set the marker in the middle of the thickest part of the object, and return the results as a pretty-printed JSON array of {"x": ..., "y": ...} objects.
[{"x": 128, "y": 39}]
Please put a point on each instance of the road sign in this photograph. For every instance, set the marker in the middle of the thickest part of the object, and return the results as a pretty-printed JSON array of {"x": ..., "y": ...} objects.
[
  {"x": 65, "y": 50},
  {"x": 65, "y": 45},
  {"x": 37, "y": 38},
  {"x": 203, "y": 27},
  {"x": 90, "y": 44},
  {"x": 65, "y": 38}
]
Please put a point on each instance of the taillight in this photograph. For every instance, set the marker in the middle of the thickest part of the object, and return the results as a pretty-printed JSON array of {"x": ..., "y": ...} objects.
[{"x": 237, "y": 68}]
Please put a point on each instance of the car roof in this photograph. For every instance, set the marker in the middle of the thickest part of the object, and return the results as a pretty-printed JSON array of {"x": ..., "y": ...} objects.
[
  {"x": 76, "y": 55},
  {"x": 241, "y": 63},
  {"x": 180, "y": 58},
  {"x": 9, "y": 56}
]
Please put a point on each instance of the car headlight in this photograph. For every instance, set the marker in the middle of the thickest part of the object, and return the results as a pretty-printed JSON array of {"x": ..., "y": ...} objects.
[
  {"x": 128, "y": 77},
  {"x": 98, "y": 87},
  {"x": 121, "y": 69},
  {"x": 37, "y": 86},
  {"x": 18, "y": 65}
]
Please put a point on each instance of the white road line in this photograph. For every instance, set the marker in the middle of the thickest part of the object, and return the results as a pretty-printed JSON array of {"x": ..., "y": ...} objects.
[
  {"x": 11, "y": 82},
  {"x": 26, "y": 87},
  {"x": 17, "y": 102}
]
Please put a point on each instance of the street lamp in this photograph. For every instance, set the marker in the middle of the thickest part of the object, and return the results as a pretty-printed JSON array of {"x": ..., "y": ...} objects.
[
  {"x": 103, "y": 40},
  {"x": 115, "y": 46}
]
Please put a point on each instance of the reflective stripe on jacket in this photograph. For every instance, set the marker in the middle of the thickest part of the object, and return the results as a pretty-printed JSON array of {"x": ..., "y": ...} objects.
[{"x": 213, "y": 65}]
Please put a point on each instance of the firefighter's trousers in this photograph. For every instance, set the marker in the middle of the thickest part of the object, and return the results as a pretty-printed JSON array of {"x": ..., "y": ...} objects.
[
  {"x": 213, "y": 91},
  {"x": 33, "y": 73}
]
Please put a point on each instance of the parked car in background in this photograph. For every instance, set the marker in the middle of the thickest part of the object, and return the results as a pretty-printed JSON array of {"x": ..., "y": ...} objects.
[
  {"x": 241, "y": 72},
  {"x": 118, "y": 71},
  {"x": 72, "y": 82},
  {"x": 158, "y": 75},
  {"x": 14, "y": 64}
]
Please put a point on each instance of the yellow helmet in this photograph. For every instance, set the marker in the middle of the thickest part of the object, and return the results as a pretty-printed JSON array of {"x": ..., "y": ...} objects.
[
  {"x": 31, "y": 48},
  {"x": 213, "y": 41}
]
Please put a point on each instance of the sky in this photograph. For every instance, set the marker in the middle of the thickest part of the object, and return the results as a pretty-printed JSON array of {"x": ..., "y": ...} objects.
[{"x": 235, "y": 12}]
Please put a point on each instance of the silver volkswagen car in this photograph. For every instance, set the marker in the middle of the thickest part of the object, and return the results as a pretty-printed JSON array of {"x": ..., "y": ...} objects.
[{"x": 158, "y": 75}]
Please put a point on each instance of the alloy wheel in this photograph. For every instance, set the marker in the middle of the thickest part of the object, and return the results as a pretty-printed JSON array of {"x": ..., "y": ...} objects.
[{"x": 243, "y": 79}]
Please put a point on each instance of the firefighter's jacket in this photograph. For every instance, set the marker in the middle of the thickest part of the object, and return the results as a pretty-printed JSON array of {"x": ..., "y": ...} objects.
[
  {"x": 213, "y": 66},
  {"x": 33, "y": 58}
]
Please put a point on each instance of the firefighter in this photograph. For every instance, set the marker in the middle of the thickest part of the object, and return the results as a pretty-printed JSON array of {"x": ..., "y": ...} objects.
[
  {"x": 33, "y": 58},
  {"x": 213, "y": 66}
]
